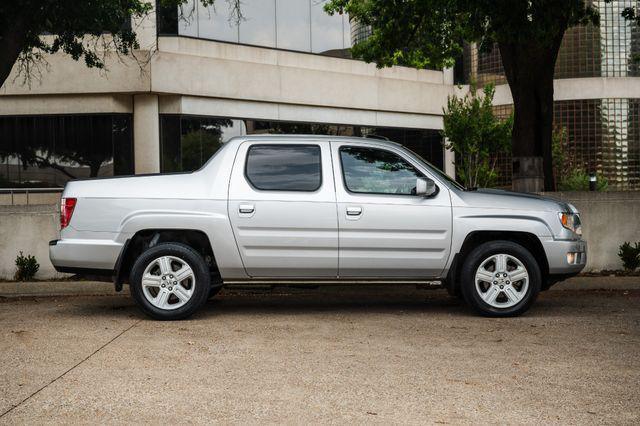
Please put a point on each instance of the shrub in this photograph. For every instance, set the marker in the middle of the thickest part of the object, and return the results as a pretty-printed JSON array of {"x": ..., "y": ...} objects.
[
  {"x": 578, "y": 180},
  {"x": 476, "y": 135},
  {"x": 630, "y": 255},
  {"x": 26, "y": 267}
]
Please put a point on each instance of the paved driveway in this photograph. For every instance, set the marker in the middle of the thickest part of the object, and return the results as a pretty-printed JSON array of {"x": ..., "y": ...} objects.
[{"x": 341, "y": 355}]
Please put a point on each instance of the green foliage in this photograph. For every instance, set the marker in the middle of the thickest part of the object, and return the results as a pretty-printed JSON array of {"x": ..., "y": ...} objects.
[
  {"x": 569, "y": 174},
  {"x": 26, "y": 267},
  {"x": 630, "y": 256},
  {"x": 578, "y": 180},
  {"x": 476, "y": 135},
  {"x": 558, "y": 148},
  {"x": 430, "y": 33}
]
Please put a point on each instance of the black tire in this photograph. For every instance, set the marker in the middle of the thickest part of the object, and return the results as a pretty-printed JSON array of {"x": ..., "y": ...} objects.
[
  {"x": 482, "y": 252},
  {"x": 192, "y": 259}
]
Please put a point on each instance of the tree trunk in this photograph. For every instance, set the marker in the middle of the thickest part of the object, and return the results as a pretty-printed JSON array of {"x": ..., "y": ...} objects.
[{"x": 529, "y": 69}]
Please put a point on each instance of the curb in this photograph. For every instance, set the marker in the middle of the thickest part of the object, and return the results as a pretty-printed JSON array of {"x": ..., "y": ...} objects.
[
  {"x": 99, "y": 288},
  {"x": 58, "y": 288},
  {"x": 605, "y": 282}
]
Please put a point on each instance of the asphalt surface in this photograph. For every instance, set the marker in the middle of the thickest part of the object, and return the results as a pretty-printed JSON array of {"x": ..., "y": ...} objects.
[{"x": 334, "y": 355}]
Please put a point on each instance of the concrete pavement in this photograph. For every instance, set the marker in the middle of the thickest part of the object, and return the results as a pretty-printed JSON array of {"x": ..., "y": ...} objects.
[
  {"x": 95, "y": 288},
  {"x": 342, "y": 355}
]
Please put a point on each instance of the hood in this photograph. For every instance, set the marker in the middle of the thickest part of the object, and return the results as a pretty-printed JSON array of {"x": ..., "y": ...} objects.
[{"x": 498, "y": 198}]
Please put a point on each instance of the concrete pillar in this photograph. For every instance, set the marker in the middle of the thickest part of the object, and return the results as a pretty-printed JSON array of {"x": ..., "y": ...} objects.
[
  {"x": 449, "y": 162},
  {"x": 146, "y": 133},
  {"x": 447, "y": 76},
  {"x": 473, "y": 72}
]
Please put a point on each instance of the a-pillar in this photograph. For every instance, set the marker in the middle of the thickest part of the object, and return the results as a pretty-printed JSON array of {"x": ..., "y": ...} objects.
[{"x": 449, "y": 156}]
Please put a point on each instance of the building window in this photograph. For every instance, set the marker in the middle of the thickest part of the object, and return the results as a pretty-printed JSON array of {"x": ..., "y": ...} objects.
[
  {"x": 293, "y": 24},
  {"x": 284, "y": 167},
  {"x": 601, "y": 136},
  {"x": 50, "y": 150},
  {"x": 187, "y": 142},
  {"x": 300, "y": 25},
  {"x": 607, "y": 50}
]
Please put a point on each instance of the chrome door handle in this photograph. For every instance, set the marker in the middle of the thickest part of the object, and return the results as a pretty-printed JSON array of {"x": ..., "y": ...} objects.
[
  {"x": 246, "y": 208},
  {"x": 354, "y": 211}
]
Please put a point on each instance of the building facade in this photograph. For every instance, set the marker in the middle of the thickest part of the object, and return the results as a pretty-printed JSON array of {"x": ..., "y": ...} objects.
[
  {"x": 597, "y": 95},
  {"x": 201, "y": 77}
]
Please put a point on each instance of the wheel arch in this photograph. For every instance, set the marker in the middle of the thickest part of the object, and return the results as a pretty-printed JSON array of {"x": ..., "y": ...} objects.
[
  {"x": 146, "y": 238},
  {"x": 474, "y": 239}
]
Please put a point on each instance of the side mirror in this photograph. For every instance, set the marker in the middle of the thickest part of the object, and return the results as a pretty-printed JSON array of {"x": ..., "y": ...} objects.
[{"x": 425, "y": 187}]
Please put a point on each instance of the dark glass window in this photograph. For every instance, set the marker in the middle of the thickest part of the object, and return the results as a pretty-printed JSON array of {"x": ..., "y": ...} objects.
[
  {"x": 258, "y": 26},
  {"x": 166, "y": 19},
  {"x": 50, "y": 150},
  {"x": 284, "y": 167},
  {"x": 376, "y": 171},
  {"x": 300, "y": 25},
  {"x": 186, "y": 143}
]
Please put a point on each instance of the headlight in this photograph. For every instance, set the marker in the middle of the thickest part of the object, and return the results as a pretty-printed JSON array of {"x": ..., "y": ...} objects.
[{"x": 571, "y": 221}]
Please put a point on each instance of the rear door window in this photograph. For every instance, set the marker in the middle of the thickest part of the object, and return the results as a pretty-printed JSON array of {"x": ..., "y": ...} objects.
[{"x": 284, "y": 167}]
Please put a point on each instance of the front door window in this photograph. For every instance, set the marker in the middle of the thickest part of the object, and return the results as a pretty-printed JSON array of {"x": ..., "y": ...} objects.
[{"x": 376, "y": 171}]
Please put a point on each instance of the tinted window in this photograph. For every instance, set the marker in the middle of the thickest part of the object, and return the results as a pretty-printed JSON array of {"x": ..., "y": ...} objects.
[
  {"x": 214, "y": 22},
  {"x": 50, "y": 150},
  {"x": 186, "y": 143},
  {"x": 284, "y": 167},
  {"x": 293, "y": 22},
  {"x": 258, "y": 25},
  {"x": 286, "y": 24},
  {"x": 326, "y": 30},
  {"x": 377, "y": 171}
]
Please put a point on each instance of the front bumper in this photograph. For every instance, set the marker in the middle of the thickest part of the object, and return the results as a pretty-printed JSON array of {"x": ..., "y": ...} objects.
[
  {"x": 84, "y": 256},
  {"x": 565, "y": 257}
]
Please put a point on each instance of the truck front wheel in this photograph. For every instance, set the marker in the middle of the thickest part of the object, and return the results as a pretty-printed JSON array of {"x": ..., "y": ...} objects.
[
  {"x": 170, "y": 281},
  {"x": 500, "y": 278}
]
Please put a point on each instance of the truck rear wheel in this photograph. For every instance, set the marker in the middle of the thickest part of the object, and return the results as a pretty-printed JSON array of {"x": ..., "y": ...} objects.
[
  {"x": 500, "y": 278},
  {"x": 170, "y": 281}
]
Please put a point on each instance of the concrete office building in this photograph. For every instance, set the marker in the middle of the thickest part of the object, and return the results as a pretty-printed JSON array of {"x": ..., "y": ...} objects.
[
  {"x": 202, "y": 77},
  {"x": 284, "y": 68}
]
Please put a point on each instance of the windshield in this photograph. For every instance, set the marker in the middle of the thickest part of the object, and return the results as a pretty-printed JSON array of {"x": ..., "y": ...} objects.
[{"x": 435, "y": 170}]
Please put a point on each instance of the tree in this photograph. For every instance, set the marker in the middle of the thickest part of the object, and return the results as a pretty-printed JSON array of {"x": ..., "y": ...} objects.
[
  {"x": 476, "y": 135},
  {"x": 430, "y": 34},
  {"x": 83, "y": 29}
]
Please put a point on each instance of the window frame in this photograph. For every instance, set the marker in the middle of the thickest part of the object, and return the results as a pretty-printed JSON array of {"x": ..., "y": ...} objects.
[
  {"x": 283, "y": 145},
  {"x": 344, "y": 178}
]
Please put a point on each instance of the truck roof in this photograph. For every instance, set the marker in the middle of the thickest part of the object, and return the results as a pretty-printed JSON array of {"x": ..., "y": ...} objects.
[{"x": 269, "y": 137}]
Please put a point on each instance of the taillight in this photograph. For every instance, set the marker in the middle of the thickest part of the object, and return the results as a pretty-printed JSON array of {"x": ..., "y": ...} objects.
[{"x": 66, "y": 210}]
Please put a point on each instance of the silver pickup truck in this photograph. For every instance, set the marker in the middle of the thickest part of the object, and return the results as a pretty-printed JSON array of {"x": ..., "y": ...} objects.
[{"x": 318, "y": 209}]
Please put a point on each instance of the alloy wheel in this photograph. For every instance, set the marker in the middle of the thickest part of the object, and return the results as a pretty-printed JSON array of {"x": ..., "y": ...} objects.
[
  {"x": 168, "y": 282},
  {"x": 501, "y": 280}
]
